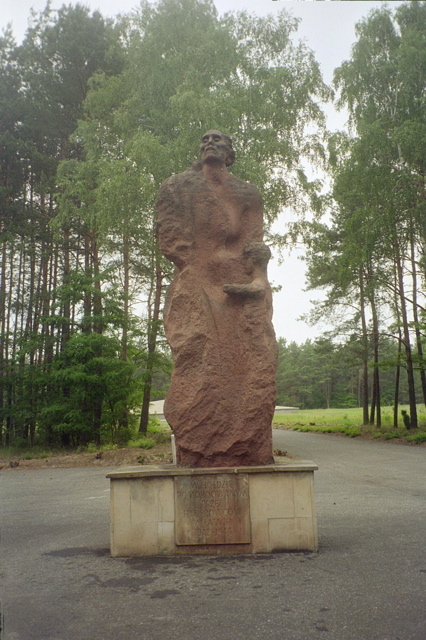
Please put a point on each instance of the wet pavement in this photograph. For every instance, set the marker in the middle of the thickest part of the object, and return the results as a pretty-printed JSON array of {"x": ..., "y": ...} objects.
[{"x": 368, "y": 581}]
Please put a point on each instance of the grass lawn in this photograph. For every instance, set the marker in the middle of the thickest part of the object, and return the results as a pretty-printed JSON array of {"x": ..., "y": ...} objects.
[
  {"x": 155, "y": 447},
  {"x": 349, "y": 422}
]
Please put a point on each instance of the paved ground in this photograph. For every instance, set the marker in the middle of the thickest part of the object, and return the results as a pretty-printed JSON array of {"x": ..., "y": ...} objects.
[{"x": 368, "y": 582}]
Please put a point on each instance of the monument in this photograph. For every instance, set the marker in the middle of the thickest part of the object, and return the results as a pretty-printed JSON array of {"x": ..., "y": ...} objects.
[
  {"x": 226, "y": 494},
  {"x": 218, "y": 314}
]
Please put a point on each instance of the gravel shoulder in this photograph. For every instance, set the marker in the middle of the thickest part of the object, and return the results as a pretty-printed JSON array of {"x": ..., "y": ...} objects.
[
  {"x": 126, "y": 456},
  {"x": 123, "y": 456}
]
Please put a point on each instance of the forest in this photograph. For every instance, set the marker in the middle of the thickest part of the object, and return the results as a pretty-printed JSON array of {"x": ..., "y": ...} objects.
[{"x": 95, "y": 113}]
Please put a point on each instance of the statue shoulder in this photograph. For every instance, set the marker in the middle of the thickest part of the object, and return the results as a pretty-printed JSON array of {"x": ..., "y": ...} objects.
[
  {"x": 180, "y": 178},
  {"x": 179, "y": 181},
  {"x": 173, "y": 195},
  {"x": 246, "y": 189}
]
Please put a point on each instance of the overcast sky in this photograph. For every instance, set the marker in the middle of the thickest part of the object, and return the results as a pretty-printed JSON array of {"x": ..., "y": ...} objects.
[{"x": 328, "y": 28}]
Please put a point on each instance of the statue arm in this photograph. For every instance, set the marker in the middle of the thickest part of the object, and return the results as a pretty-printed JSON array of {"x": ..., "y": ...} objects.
[
  {"x": 256, "y": 255},
  {"x": 174, "y": 233},
  {"x": 251, "y": 229}
]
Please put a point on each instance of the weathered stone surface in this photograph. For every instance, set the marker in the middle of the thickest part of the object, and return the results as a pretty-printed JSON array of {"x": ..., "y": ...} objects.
[
  {"x": 148, "y": 505},
  {"x": 212, "y": 509},
  {"x": 218, "y": 314}
]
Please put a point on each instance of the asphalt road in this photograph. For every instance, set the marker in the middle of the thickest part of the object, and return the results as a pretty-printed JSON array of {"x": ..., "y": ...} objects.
[{"x": 368, "y": 581}]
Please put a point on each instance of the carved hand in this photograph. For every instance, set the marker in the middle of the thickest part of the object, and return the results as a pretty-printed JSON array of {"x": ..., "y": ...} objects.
[{"x": 251, "y": 290}]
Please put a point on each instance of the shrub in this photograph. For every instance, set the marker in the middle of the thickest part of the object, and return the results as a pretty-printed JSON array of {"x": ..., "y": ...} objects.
[
  {"x": 390, "y": 435},
  {"x": 142, "y": 443},
  {"x": 108, "y": 447},
  {"x": 417, "y": 438}
]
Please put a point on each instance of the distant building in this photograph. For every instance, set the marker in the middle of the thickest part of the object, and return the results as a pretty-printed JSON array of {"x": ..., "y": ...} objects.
[
  {"x": 156, "y": 409},
  {"x": 286, "y": 409}
]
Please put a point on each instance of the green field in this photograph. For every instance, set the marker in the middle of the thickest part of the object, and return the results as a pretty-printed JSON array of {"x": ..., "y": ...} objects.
[{"x": 349, "y": 422}]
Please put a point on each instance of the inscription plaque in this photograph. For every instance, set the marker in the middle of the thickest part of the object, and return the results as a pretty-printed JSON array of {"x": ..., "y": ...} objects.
[{"x": 212, "y": 509}]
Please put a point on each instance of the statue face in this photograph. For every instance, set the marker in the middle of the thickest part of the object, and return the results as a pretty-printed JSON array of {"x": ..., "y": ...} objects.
[{"x": 215, "y": 148}]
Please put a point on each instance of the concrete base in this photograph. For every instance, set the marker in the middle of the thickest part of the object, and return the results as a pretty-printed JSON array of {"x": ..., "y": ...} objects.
[{"x": 167, "y": 510}]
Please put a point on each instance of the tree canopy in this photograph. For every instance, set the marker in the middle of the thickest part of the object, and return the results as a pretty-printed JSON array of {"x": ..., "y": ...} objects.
[
  {"x": 371, "y": 257},
  {"x": 98, "y": 114}
]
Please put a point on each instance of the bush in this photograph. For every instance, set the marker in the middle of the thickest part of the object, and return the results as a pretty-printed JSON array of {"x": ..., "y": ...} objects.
[
  {"x": 391, "y": 435},
  {"x": 108, "y": 447},
  {"x": 28, "y": 454},
  {"x": 142, "y": 443},
  {"x": 154, "y": 425},
  {"x": 353, "y": 432},
  {"x": 417, "y": 438}
]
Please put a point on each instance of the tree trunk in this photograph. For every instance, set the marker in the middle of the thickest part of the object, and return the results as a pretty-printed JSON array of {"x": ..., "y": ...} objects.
[
  {"x": 97, "y": 326},
  {"x": 66, "y": 302},
  {"x": 123, "y": 422},
  {"x": 416, "y": 319},
  {"x": 152, "y": 342},
  {"x": 398, "y": 366},
  {"x": 87, "y": 305},
  {"x": 376, "y": 373},
  {"x": 365, "y": 351},
  {"x": 407, "y": 343},
  {"x": 3, "y": 363},
  {"x": 375, "y": 415},
  {"x": 9, "y": 353},
  {"x": 397, "y": 381}
]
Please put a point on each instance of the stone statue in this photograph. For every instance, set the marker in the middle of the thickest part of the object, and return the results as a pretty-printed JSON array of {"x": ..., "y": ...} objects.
[{"x": 218, "y": 314}]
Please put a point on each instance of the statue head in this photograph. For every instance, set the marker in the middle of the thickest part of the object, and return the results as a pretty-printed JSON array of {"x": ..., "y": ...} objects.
[
  {"x": 258, "y": 253},
  {"x": 217, "y": 147}
]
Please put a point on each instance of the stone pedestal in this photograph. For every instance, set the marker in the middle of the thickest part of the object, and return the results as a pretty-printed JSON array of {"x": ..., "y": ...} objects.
[{"x": 167, "y": 510}]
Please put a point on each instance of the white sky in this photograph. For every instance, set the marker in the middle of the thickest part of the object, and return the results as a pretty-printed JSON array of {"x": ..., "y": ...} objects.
[{"x": 328, "y": 28}]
